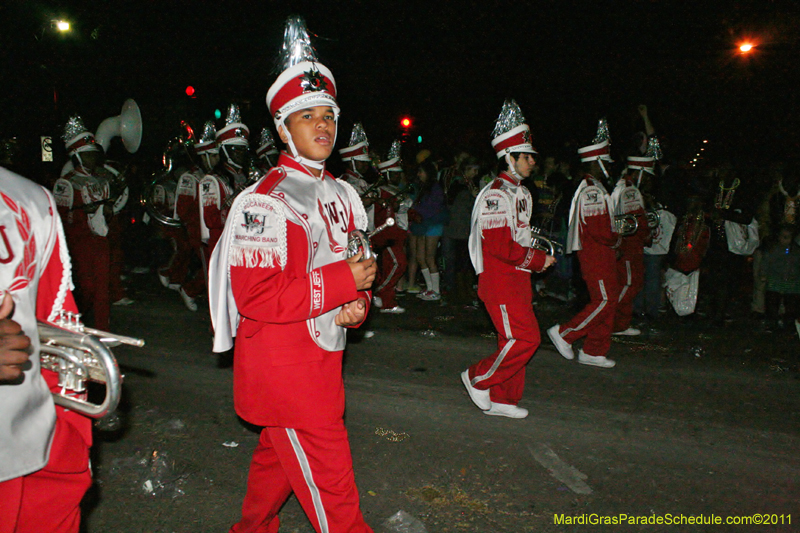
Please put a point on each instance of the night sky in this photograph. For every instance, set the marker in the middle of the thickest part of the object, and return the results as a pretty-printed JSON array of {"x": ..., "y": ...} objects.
[{"x": 448, "y": 65}]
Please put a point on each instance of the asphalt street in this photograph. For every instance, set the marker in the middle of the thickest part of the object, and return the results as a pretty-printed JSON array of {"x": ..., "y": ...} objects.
[{"x": 693, "y": 424}]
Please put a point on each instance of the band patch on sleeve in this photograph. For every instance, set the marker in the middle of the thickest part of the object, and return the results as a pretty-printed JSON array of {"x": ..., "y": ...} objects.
[
  {"x": 62, "y": 191},
  {"x": 259, "y": 233},
  {"x": 495, "y": 211},
  {"x": 592, "y": 202},
  {"x": 209, "y": 192},
  {"x": 186, "y": 186}
]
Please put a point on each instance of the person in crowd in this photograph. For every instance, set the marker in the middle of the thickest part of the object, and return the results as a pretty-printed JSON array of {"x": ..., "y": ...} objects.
[
  {"x": 501, "y": 251},
  {"x": 432, "y": 215},
  {"x": 282, "y": 266},
  {"x": 458, "y": 277},
  {"x": 780, "y": 271}
]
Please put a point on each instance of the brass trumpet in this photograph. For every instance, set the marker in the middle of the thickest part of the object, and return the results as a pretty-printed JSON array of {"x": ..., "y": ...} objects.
[
  {"x": 79, "y": 354},
  {"x": 626, "y": 224},
  {"x": 358, "y": 241},
  {"x": 540, "y": 242}
]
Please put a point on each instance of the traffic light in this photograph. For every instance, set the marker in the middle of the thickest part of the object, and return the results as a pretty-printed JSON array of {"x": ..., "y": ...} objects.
[
  {"x": 190, "y": 91},
  {"x": 217, "y": 114},
  {"x": 405, "y": 122}
]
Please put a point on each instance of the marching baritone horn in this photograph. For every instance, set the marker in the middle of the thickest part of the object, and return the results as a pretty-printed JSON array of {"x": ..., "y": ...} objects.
[
  {"x": 540, "y": 242},
  {"x": 358, "y": 241},
  {"x": 79, "y": 354},
  {"x": 653, "y": 218},
  {"x": 626, "y": 224}
]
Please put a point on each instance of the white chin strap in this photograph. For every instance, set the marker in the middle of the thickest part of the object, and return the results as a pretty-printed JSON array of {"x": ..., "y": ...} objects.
[
  {"x": 639, "y": 178},
  {"x": 603, "y": 168},
  {"x": 228, "y": 158},
  {"x": 511, "y": 168}
]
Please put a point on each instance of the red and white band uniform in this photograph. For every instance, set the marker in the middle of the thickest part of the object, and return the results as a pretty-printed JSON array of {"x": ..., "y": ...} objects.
[
  {"x": 500, "y": 250},
  {"x": 215, "y": 199},
  {"x": 44, "y": 449},
  {"x": 188, "y": 240},
  {"x": 627, "y": 200},
  {"x": 87, "y": 232},
  {"x": 278, "y": 280},
  {"x": 115, "y": 237},
  {"x": 390, "y": 245},
  {"x": 591, "y": 234},
  {"x": 357, "y": 181}
]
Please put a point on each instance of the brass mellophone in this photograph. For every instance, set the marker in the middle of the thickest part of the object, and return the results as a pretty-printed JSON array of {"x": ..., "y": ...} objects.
[
  {"x": 358, "y": 241},
  {"x": 626, "y": 224},
  {"x": 79, "y": 354},
  {"x": 653, "y": 218},
  {"x": 540, "y": 242}
]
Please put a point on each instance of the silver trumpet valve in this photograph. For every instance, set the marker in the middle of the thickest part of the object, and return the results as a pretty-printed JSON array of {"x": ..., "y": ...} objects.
[
  {"x": 540, "y": 242},
  {"x": 358, "y": 240}
]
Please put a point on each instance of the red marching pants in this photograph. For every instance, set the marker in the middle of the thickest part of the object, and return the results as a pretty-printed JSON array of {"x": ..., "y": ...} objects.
[
  {"x": 595, "y": 320},
  {"x": 503, "y": 372},
  {"x": 315, "y": 464},
  {"x": 391, "y": 243},
  {"x": 630, "y": 276},
  {"x": 91, "y": 264},
  {"x": 49, "y": 499}
]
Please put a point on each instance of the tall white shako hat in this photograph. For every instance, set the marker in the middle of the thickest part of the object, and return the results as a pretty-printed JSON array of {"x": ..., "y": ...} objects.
[
  {"x": 600, "y": 149},
  {"x": 234, "y": 133},
  {"x": 77, "y": 138},
  {"x": 266, "y": 145},
  {"x": 208, "y": 141},
  {"x": 303, "y": 83},
  {"x": 647, "y": 163},
  {"x": 511, "y": 134},
  {"x": 393, "y": 163},
  {"x": 358, "y": 148}
]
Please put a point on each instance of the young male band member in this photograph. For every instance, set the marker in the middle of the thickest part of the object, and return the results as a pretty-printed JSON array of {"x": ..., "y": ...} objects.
[
  {"x": 592, "y": 235},
  {"x": 281, "y": 283},
  {"x": 44, "y": 449},
  {"x": 501, "y": 252}
]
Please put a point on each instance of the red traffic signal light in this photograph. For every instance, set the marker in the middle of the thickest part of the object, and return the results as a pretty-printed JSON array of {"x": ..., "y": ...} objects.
[
  {"x": 190, "y": 91},
  {"x": 405, "y": 122}
]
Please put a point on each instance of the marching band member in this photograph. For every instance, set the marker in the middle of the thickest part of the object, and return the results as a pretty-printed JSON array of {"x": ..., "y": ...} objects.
[
  {"x": 266, "y": 153},
  {"x": 391, "y": 242},
  {"x": 627, "y": 201},
  {"x": 280, "y": 282},
  {"x": 501, "y": 252},
  {"x": 357, "y": 154},
  {"x": 593, "y": 236},
  {"x": 44, "y": 449},
  {"x": 218, "y": 188},
  {"x": 83, "y": 199}
]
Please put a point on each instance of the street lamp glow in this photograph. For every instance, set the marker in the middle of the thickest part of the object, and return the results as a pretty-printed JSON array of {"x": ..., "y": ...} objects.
[
  {"x": 62, "y": 25},
  {"x": 745, "y": 47}
]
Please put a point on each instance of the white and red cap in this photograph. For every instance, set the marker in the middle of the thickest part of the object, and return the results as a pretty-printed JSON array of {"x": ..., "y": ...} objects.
[
  {"x": 600, "y": 149},
  {"x": 208, "y": 142},
  {"x": 234, "y": 132},
  {"x": 511, "y": 134},
  {"x": 642, "y": 163},
  {"x": 77, "y": 138},
  {"x": 358, "y": 148},
  {"x": 393, "y": 163},
  {"x": 304, "y": 83},
  {"x": 266, "y": 146}
]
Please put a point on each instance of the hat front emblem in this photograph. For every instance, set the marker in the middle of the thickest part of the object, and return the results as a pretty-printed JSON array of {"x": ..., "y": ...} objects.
[{"x": 313, "y": 81}]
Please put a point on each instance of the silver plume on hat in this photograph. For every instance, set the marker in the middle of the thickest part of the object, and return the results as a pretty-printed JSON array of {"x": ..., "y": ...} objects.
[
  {"x": 73, "y": 128},
  {"x": 394, "y": 150},
  {"x": 296, "y": 46},
  {"x": 654, "y": 149},
  {"x": 358, "y": 135},
  {"x": 602, "y": 132},
  {"x": 209, "y": 133},
  {"x": 510, "y": 117},
  {"x": 266, "y": 137},
  {"x": 234, "y": 115}
]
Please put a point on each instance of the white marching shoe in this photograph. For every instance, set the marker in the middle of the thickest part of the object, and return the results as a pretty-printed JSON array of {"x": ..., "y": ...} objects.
[
  {"x": 188, "y": 301},
  {"x": 563, "y": 347},
  {"x": 630, "y": 332},
  {"x": 508, "y": 410},
  {"x": 595, "y": 360},
  {"x": 478, "y": 397}
]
